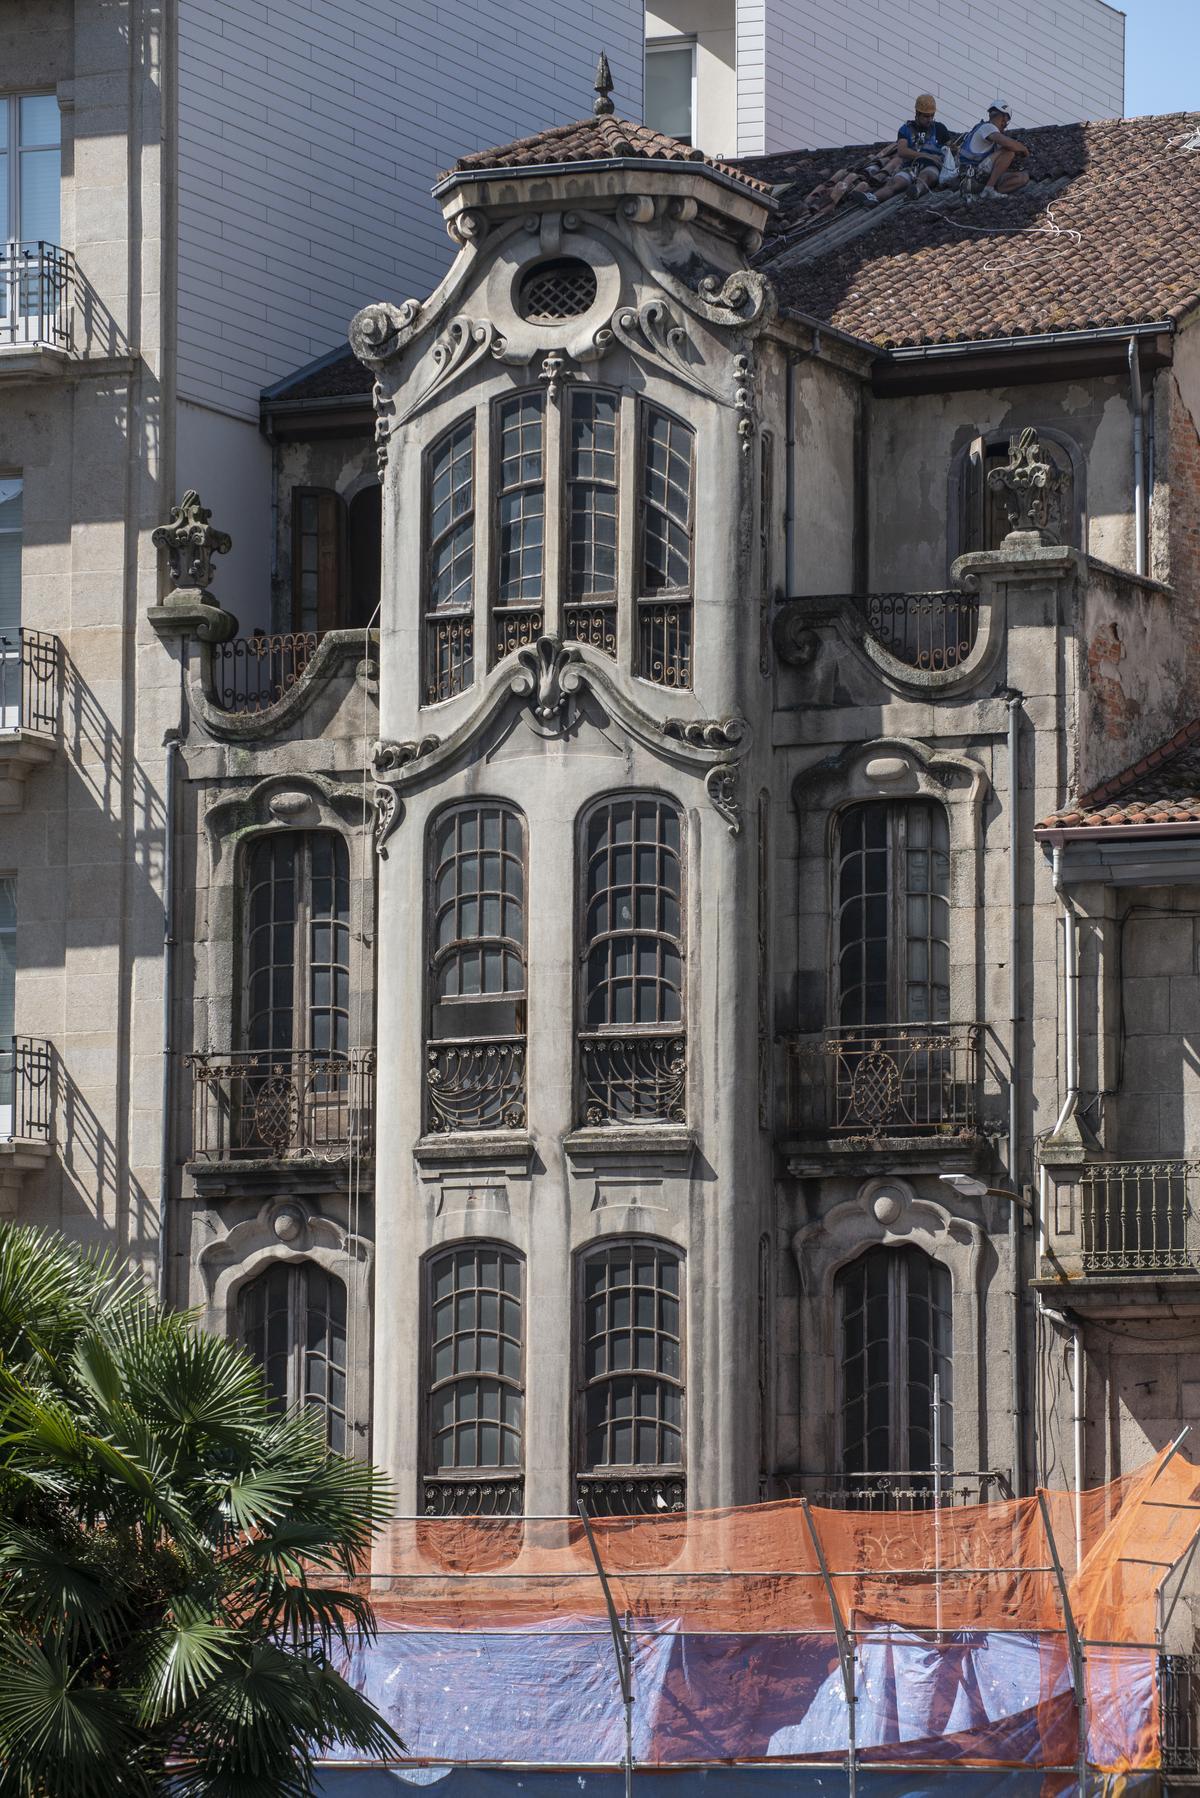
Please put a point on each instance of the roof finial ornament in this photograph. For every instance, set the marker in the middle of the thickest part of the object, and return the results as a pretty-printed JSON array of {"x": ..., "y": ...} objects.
[{"x": 604, "y": 87}]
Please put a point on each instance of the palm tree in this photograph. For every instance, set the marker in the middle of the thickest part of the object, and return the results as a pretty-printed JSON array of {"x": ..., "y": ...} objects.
[{"x": 175, "y": 1559}]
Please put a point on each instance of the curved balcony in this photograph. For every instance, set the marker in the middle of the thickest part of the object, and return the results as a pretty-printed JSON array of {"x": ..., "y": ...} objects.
[
  {"x": 252, "y": 674},
  {"x": 930, "y": 631}
]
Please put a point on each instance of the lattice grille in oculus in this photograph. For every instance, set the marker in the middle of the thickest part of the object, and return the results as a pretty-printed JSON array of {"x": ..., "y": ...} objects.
[{"x": 564, "y": 288}]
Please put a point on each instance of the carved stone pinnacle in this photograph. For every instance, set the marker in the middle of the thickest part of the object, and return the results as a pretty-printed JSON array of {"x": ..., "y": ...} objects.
[
  {"x": 604, "y": 87},
  {"x": 1031, "y": 486},
  {"x": 191, "y": 543}
]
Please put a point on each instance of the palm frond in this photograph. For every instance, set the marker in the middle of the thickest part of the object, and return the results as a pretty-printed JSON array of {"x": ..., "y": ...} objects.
[
  {"x": 181, "y": 1661},
  {"x": 58, "y": 1732}
]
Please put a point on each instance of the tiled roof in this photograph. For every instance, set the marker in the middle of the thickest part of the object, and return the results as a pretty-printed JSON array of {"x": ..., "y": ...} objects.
[
  {"x": 1162, "y": 788},
  {"x": 338, "y": 375},
  {"x": 599, "y": 140},
  {"x": 1102, "y": 237}
]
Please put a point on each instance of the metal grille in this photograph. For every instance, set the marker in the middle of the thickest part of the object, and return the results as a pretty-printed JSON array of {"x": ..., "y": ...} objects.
[
  {"x": 631, "y": 1497},
  {"x": 665, "y": 643},
  {"x": 1179, "y": 1710},
  {"x": 564, "y": 288},
  {"x": 37, "y": 284},
  {"x": 252, "y": 674},
  {"x": 475, "y": 1335},
  {"x": 633, "y": 1079},
  {"x": 894, "y": 1080},
  {"x": 476, "y": 1086},
  {"x": 293, "y": 1322},
  {"x": 449, "y": 633},
  {"x": 459, "y": 1497},
  {"x": 29, "y": 681},
  {"x": 631, "y": 1359},
  {"x": 1140, "y": 1217},
  {"x": 592, "y": 624},
  {"x": 932, "y": 631},
  {"x": 27, "y": 1089},
  {"x": 282, "y": 1107},
  {"x": 916, "y": 1489}
]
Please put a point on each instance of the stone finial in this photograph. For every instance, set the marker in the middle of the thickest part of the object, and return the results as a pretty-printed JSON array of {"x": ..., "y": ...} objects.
[
  {"x": 191, "y": 543},
  {"x": 604, "y": 87},
  {"x": 1030, "y": 484}
]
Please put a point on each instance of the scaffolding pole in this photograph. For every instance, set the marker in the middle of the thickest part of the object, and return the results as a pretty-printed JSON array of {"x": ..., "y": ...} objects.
[
  {"x": 622, "y": 1640},
  {"x": 1074, "y": 1646},
  {"x": 845, "y": 1649}
]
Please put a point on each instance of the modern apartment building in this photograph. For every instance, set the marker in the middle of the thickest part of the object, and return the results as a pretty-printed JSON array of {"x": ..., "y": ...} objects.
[{"x": 751, "y": 77}]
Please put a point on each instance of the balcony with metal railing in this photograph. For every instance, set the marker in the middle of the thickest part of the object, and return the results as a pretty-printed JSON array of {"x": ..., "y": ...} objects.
[
  {"x": 282, "y": 1105},
  {"x": 26, "y": 1112},
  {"x": 930, "y": 631},
  {"x": 884, "y": 1083},
  {"x": 632, "y": 1494},
  {"x": 252, "y": 674},
  {"x": 1179, "y": 1714},
  {"x": 921, "y": 1490},
  {"x": 475, "y": 1085},
  {"x": 30, "y": 708},
  {"x": 37, "y": 290},
  {"x": 1125, "y": 1221},
  {"x": 464, "y": 1495}
]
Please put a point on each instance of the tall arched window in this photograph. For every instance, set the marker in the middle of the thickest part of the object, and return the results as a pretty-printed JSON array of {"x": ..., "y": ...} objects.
[
  {"x": 449, "y": 634},
  {"x": 475, "y": 1060},
  {"x": 895, "y": 1366},
  {"x": 664, "y": 610},
  {"x": 293, "y": 1321},
  {"x": 632, "y": 1039},
  {"x": 593, "y": 475},
  {"x": 298, "y": 943},
  {"x": 893, "y": 913},
  {"x": 520, "y": 533},
  {"x": 474, "y": 1345},
  {"x": 630, "y": 1374}
]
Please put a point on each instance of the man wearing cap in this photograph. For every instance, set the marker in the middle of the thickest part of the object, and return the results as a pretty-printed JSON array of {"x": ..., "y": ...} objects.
[
  {"x": 921, "y": 144},
  {"x": 985, "y": 150}
]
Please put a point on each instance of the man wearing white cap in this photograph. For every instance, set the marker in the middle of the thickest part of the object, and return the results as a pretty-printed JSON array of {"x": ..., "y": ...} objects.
[{"x": 986, "y": 150}]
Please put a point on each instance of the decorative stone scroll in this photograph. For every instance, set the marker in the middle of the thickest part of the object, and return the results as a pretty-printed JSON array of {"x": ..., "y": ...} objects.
[
  {"x": 191, "y": 542},
  {"x": 1031, "y": 486}
]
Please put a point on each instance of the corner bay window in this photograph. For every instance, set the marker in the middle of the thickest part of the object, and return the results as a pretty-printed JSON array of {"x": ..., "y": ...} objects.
[
  {"x": 474, "y": 1379},
  {"x": 895, "y": 1366},
  {"x": 630, "y": 1376},
  {"x": 552, "y": 568},
  {"x": 632, "y": 1042}
]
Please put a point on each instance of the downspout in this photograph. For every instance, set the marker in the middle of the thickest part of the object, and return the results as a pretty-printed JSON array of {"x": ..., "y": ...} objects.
[
  {"x": 1015, "y": 1244},
  {"x": 1139, "y": 472},
  {"x": 171, "y": 743}
]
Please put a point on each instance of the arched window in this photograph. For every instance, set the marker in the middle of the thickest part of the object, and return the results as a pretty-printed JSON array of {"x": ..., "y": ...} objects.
[
  {"x": 475, "y": 1061},
  {"x": 632, "y": 1039},
  {"x": 630, "y": 1372},
  {"x": 664, "y": 621},
  {"x": 474, "y": 1345},
  {"x": 893, "y": 913},
  {"x": 520, "y": 500},
  {"x": 292, "y": 1319},
  {"x": 298, "y": 943},
  {"x": 895, "y": 1366},
  {"x": 593, "y": 475},
  {"x": 449, "y": 634}
]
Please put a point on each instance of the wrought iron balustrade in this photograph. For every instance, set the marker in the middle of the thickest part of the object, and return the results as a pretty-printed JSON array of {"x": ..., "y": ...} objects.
[
  {"x": 885, "y": 1080},
  {"x": 37, "y": 282},
  {"x": 449, "y": 655},
  {"x": 665, "y": 642},
  {"x": 282, "y": 1105},
  {"x": 476, "y": 1084},
  {"x": 251, "y": 674},
  {"x": 591, "y": 622},
  {"x": 1139, "y": 1217},
  {"x": 29, "y": 681},
  {"x": 1179, "y": 1712},
  {"x": 633, "y": 1078},
  {"x": 26, "y": 1090},
  {"x": 513, "y": 627},
  {"x": 466, "y": 1495},
  {"x": 920, "y": 1490},
  {"x": 932, "y": 631},
  {"x": 631, "y": 1494}
]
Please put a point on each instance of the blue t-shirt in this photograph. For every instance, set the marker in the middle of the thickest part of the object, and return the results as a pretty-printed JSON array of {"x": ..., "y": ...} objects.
[{"x": 928, "y": 140}]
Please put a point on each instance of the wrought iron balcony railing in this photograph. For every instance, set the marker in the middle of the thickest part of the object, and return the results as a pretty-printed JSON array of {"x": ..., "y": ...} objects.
[
  {"x": 591, "y": 621},
  {"x": 931, "y": 631},
  {"x": 631, "y": 1494},
  {"x": 885, "y": 1080},
  {"x": 910, "y": 1491},
  {"x": 513, "y": 627},
  {"x": 631, "y": 1078},
  {"x": 1179, "y": 1712},
  {"x": 476, "y": 1085},
  {"x": 473, "y": 1495},
  {"x": 26, "y": 1090},
  {"x": 251, "y": 674},
  {"x": 37, "y": 282},
  {"x": 29, "y": 681},
  {"x": 665, "y": 641},
  {"x": 282, "y": 1105},
  {"x": 1139, "y": 1217}
]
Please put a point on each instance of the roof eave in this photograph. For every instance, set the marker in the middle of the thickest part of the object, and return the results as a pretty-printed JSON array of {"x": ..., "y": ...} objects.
[{"x": 655, "y": 165}]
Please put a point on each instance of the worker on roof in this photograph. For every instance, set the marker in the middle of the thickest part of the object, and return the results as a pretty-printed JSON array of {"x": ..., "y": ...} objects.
[
  {"x": 926, "y": 161},
  {"x": 987, "y": 150}
]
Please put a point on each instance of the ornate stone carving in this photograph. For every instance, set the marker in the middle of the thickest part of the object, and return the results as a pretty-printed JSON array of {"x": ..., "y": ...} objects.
[
  {"x": 388, "y": 813},
  {"x": 721, "y": 784},
  {"x": 191, "y": 543},
  {"x": 653, "y": 334},
  {"x": 468, "y": 227},
  {"x": 554, "y": 372},
  {"x": 389, "y": 758},
  {"x": 463, "y": 343},
  {"x": 706, "y": 733},
  {"x": 748, "y": 295},
  {"x": 1031, "y": 486},
  {"x": 604, "y": 87},
  {"x": 795, "y": 640},
  {"x": 743, "y": 398},
  {"x": 639, "y": 210},
  {"x": 378, "y": 331},
  {"x": 385, "y": 412},
  {"x": 549, "y": 676}
]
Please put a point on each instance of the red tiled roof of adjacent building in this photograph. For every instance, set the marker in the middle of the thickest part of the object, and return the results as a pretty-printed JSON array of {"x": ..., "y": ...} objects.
[
  {"x": 1162, "y": 788},
  {"x": 602, "y": 139},
  {"x": 1102, "y": 237}
]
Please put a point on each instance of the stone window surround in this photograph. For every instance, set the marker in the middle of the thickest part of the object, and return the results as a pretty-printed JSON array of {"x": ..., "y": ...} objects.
[
  {"x": 960, "y": 527},
  {"x": 894, "y": 768},
  {"x": 486, "y": 1238},
  {"x": 583, "y": 1253},
  {"x": 634, "y": 407}
]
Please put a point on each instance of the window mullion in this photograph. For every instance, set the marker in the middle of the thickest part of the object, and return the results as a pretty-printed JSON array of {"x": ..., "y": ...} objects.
[
  {"x": 897, "y": 887},
  {"x": 554, "y": 554},
  {"x": 629, "y": 517},
  {"x": 297, "y": 1334},
  {"x": 302, "y": 952}
]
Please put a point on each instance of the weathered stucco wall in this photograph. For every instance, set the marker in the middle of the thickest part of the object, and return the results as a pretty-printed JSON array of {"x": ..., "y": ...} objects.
[{"x": 826, "y": 406}]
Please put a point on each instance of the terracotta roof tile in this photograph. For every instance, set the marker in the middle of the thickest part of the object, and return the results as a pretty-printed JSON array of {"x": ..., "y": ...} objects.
[
  {"x": 599, "y": 140},
  {"x": 1163, "y": 787},
  {"x": 1100, "y": 238}
]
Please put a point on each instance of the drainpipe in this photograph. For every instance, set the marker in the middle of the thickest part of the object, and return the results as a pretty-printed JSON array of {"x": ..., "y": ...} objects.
[
  {"x": 1014, "y": 1094},
  {"x": 171, "y": 743},
  {"x": 1139, "y": 472}
]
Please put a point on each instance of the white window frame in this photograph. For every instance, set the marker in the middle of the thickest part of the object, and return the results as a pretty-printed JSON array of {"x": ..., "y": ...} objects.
[{"x": 656, "y": 46}]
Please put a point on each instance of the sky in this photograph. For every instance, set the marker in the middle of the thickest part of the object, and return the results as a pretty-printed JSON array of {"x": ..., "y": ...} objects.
[{"x": 1162, "y": 56}]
